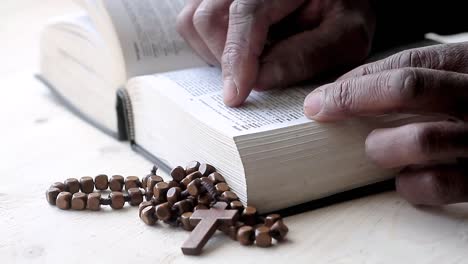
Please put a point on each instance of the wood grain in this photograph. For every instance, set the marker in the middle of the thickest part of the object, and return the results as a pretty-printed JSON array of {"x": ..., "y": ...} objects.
[{"x": 42, "y": 143}]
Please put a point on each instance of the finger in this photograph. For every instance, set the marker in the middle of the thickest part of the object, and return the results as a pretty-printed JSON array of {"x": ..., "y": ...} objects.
[
  {"x": 449, "y": 57},
  {"x": 418, "y": 143},
  {"x": 249, "y": 21},
  {"x": 211, "y": 22},
  {"x": 334, "y": 44},
  {"x": 187, "y": 30},
  {"x": 409, "y": 90},
  {"x": 437, "y": 185}
]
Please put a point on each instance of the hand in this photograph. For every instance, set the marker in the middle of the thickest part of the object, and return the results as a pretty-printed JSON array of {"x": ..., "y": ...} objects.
[
  {"x": 268, "y": 44},
  {"x": 429, "y": 80}
]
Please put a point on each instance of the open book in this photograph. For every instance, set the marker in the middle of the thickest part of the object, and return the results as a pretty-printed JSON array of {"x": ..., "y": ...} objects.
[{"x": 270, "y": 154}]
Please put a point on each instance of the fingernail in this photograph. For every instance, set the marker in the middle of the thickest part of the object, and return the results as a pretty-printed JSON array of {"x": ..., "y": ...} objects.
[
  {"x": 230, "y": 92},
  {"x": 313, "y": 103}
]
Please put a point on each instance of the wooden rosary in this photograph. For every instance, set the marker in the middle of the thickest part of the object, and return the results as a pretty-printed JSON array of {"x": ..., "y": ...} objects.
[{"x": 197, "y": 198}]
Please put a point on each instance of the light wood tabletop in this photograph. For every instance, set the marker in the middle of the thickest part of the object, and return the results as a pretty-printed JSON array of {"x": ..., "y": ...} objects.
[{"x": 42, "y": 143}]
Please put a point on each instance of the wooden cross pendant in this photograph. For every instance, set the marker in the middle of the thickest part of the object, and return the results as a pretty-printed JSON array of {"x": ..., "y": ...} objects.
[{"x": 207, "y": 222}]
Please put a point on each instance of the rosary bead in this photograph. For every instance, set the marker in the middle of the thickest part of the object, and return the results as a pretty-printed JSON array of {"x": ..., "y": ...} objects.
[
  {"x": 178, "y": 174},
  {"x": 231, "y": 230},
  {"x": 271, "y": 219},
  {"x": 117, "y": 200},
  {"x": 101, "y": 182},
  {"x": 143, "y": 205},
  {"x": 229, "y": 196},
  {"x": 116, "y": 183},
  {"x": 153, "y": 180},
  {"x": 136, "y": 197},
  {"x": 173, "y": 195},
  {"x": 163, "y": 211},
  {"x": 279, "y": 230},
  {"x": 59, "y": 185},
  {"x": 216, "y": 178},
  {"x": 148, "y": 194},
  {"x": 173, "y": 184},
  {"x": 87, "y": 184},
  {"x": 78, "y": 201},
  {"x": 204, "y": 199},
  {"x": 200, "y": 207},
  {"x": 183, "y": 206},
  {"x": 144, "y": 180},
  {"x": 206, "y": 169},
  {"x": 237, "y": 205},
  {"x": 132, "y": 182},
  {"x": 185, "y": 220},
  {"x": 248, "y": 215},
  {"x": 72, "y": 185},
  {"x": 51, "y": 195},
  {"x": 64, "y": 200},
  {"x": 192, "y": 167},
  {"x": 93, "y": 202},
  {"x": 147, "y": 215},
  {"x": 246, "y": 235},
  {"x": 160, "y": 190},
  {"x": 222, "y": 187},
  {"x": 263, "y": 237},
  {"x": 194, "y": 187}
]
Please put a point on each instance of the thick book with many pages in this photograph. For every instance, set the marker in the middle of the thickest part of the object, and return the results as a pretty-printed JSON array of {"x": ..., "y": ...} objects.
[{"x": 171, "y": 107}]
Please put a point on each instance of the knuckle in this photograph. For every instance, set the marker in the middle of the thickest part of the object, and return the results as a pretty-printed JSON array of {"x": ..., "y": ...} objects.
[
  {"x": 418, "y": 58},
  {"x": 405, "y": 84},
  {"x": 231, "y": 54},
  {"x": 243, "y": 7},
  {"x": 203, "y": 19},
  {"x": 342, "y": 96}
]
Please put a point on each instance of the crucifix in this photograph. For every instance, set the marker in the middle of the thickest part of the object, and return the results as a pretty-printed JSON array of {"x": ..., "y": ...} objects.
[{"x": 207, "y": 222}]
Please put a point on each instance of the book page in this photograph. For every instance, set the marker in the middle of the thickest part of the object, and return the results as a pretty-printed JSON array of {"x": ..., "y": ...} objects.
[
  {"x": 200, "y": 92},
  {"x": 146, "y": 30}
]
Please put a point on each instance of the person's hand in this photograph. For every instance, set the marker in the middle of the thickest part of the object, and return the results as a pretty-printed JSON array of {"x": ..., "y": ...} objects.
[
  {"x": 265, "y": 44},
  {"x": 430, "y": 80}
]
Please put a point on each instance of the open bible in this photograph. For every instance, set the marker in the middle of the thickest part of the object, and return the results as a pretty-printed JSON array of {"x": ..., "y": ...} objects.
[{"x": 170, "y": 107}]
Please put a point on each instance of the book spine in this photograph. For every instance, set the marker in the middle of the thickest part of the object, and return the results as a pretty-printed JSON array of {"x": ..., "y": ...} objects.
[{"x": 125, "y": 125}]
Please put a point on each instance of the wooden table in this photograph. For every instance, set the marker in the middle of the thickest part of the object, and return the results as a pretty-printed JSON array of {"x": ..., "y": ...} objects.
[{"x": 43, "y": 143}]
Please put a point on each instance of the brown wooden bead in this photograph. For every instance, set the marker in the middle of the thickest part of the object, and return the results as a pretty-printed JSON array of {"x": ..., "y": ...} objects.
[
  {"x": 160, "y": 190},
  {"x": 93, "y": 202},
  {"x": 148, "y": 194},
  {"x": 216, "y": 178},
  {"x": 101, "y": 182},
  {"x": 116, "y": 183},
  {"x": 178, "y": 174},
  {"x": 148, "y": 216},
  {"x": 144, "y": 181},
  {"x": 263, "y": 237},
  {"x": 229, "y": 196},
  {"x": 173, "y": 184},
  {"x": 72, "y": 185},
  {"x": 132, "y": 182},
  {"x": 192, "y": 167},
  {"x": 249, "y": 215},
  {"x": 237, "y": 205},
  {"x": 183, "y": 207},
  {"x": 222, "y": 187},
  {"x": 185, "y": 220},
  {"x": 194, "y": 187},
  {"x": 117, "y": 200},
  {"x": 153, "y": 180},
  {"x": 246, "y": 235},
  {"x": 87, "y": 184},
  {"x": 136, "y": 197},
  {"x": 64, "y": 200},
  {"x": 59, "y": 185},
  {"x": 51, "y": 195},
  {"x": 231, "y": 230},
  {"x": 143, "y": 205},
  {"x": 173, "y": 195},
  {"x": 200, "y": 207},
  {"x": 78, "y": 201},
  {"x": 205, "y": 199},
  {"x": 163, "y": 212},
  {"x": 279, "y": 230},
  {"x": 206, "y": 169},
  {"x": 271, "y": 219}
]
